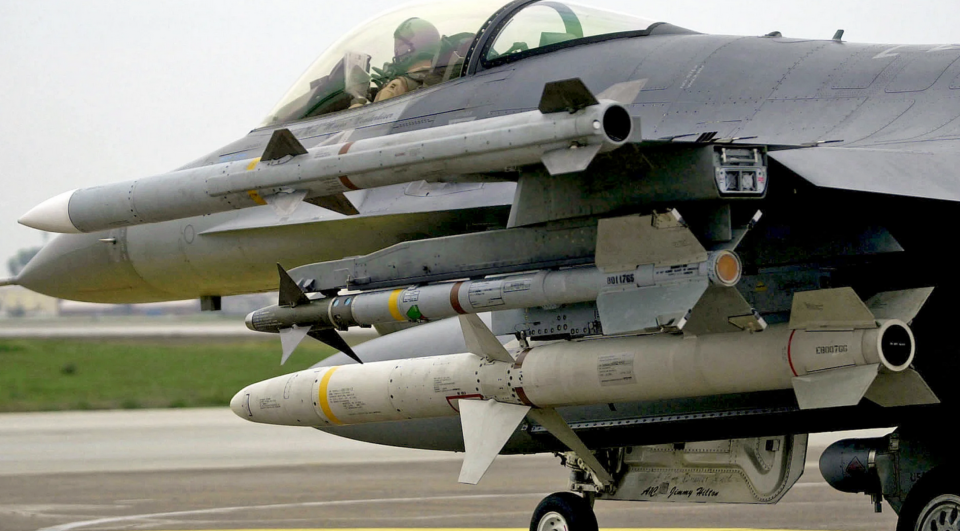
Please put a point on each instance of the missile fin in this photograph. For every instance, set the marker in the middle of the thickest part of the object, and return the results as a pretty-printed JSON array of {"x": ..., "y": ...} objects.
[
  {"x": 554, "y": 423},
  {"x": 648, "y": 309},
  {"x": 624, "y": 93},
  {"x": 331, "y": 338},
  {"x": 290, "y": 339},
  {"x": 481, "y": 341},
  {"x": 570, "y": 160},
  {"x": 284, "y": 204},
  {"x": 487, "y": 426},
  {"x": 569, "y": 95},
  {"x": 897, "y": 389},
  {"x": 337, "y": 203},
  {"x": 282, "y": 144},
  {"x": 903, "y": 305},
  {"x": 830, "y": 309},
  {"x": 835, "y": 387},
  {"x": 722, "y": 310},
  {"x": 291, "y": 295},
  {"x": 625, "y": 243}
]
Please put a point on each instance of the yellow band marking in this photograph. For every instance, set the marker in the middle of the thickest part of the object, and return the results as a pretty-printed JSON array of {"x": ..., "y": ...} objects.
[
  {"x": 324, "y": 403},
  {"x": 394, "y": 305},
  {"x": 253, "y": 163},
  {"x": 256, "y": 197}
]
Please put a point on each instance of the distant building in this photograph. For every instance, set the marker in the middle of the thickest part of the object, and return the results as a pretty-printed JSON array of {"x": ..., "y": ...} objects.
[{"x": 21, "y": 302}]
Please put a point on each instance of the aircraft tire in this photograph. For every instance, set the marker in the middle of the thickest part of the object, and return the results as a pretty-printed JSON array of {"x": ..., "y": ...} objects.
[
  {"x": 933, "y": 504},
  {"x": 564, "y": 511}
]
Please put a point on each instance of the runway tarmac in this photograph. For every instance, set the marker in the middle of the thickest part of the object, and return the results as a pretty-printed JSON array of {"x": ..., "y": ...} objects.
[{"x": 207, "y": 469}]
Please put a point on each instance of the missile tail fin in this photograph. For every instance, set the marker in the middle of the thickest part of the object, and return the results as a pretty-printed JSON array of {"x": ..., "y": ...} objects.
[
  {"x": 902, "y": 305},
  {"x": 286, "y": 203},
  {"x": 337, "y": 203},
  {"x": 481, "y": 341},
  {"x": 290, "y": 339},
  {"x": 569, "y": 95},
  {"x": 291, "y": 294},
  {"x": 898, "y": 389},
  {"x": 487, "y": 426},
  {"x": 282, "y": 144},
  {"x": 834, "y": 388},
  {"x": 331, "y": 338},
  {"x": 554, "y": 423},
  {"x": 830, "y": 309},
  {"x": 570, "y": 160}
]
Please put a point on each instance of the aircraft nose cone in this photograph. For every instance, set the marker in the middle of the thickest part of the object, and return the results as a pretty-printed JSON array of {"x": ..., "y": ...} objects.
[
  {"x": 52, "y": 215},
  {"x": 81, "y": 267}
]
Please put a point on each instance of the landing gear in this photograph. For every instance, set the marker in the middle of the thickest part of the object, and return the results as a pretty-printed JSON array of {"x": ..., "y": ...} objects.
[
  {"x": 564, "y": 511},
  {"x": 933, "y": 504}
]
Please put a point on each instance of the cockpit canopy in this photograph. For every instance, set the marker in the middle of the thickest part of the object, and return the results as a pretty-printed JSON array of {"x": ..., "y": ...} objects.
[{"x": 427, "y": 43}]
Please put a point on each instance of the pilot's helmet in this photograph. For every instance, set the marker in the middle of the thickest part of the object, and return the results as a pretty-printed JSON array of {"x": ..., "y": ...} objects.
[{"x": 415, "y": 40}]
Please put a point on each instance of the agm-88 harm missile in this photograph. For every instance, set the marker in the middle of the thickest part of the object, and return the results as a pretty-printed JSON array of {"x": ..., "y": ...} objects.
[
  {"x": 565, "y": 134},
  {"x": 297, "y": 314},
  {"x": 827, "y": 364}
]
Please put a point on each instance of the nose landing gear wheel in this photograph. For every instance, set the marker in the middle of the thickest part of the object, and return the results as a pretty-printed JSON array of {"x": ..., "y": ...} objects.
[
  {"x": 933, "y": 504},
  {"x": 940, "y": 514},
  {"x": 564, "y": 511}
]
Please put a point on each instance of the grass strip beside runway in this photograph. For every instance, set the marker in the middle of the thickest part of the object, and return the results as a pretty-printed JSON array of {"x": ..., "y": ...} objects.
[{"x": 51, "y": 375}]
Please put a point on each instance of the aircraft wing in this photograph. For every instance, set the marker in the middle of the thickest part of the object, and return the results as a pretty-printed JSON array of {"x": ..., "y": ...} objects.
[{"x": 915, "y": 169}]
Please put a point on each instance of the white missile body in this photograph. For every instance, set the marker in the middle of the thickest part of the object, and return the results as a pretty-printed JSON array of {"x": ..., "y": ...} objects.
[
  {"x": 564, "y": 142},
  {"x": 630, "y": 369}
]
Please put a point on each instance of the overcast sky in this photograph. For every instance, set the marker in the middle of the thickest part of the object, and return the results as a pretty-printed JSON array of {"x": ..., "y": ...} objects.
[{"x": 109, "y": 90}]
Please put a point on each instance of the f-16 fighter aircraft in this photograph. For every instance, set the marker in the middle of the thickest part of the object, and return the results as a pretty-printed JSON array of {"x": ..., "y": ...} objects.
[{"x": 663, "y": 255}]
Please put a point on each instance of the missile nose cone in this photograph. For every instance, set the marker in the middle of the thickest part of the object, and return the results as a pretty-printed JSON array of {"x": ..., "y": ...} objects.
[
  {"x": 249, "y": 321},
  {"x": 240, "y": 404},
  {"x": 53, "y": 215}
]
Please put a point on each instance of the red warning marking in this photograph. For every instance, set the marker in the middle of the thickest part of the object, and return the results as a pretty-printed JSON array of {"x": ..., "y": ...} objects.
[
  {"x": 790, "y": 354},
  {"x": 451, "y": 399},
  {"x": 346, "y": 147},
  {"x": 518, "y": 364},
  {"x": 455, "y": 299},
  {"x": 522, "y": 395},
  {"x": 855, "y": 468},
  {"x": 347, "y": 184}
]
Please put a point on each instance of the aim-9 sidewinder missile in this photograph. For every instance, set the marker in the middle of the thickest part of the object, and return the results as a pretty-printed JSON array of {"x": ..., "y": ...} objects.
[{"x": 570, "y": 128}]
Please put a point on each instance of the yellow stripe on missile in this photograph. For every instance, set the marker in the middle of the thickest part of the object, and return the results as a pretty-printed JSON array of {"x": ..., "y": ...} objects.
[
  {"x": 253, "y": 164},
  {"x": 324, "y": 402},
  {"x": 395, "y": 306},
  {"x": 256, "y": 197}
]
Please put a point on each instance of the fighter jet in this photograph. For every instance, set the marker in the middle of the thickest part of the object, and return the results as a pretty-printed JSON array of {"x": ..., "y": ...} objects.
[{"x": 698, "y": 250}]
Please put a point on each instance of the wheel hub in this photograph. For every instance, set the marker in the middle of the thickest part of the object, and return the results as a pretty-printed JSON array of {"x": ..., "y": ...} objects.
[
  {"x": 941, "y": 514},
  {"x": 552, "y": 521}
]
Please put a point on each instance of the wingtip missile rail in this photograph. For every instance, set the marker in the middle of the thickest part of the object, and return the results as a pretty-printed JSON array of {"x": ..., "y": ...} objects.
[{"x": 563, "y": 137}]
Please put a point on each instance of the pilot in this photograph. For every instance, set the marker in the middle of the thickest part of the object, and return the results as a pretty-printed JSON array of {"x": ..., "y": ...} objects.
[{"x": 416, "y": 41}]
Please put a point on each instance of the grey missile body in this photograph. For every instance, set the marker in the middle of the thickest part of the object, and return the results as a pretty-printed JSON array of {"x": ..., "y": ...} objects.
[
  {"x": 433, "y": 302},
  {"x": 564, "y": 142}
]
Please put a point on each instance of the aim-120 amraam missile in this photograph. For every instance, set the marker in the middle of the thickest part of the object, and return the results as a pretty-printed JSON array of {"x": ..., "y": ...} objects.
[
  {"x": 570, "y": 128},
  {"x": 497, "y": 389}
]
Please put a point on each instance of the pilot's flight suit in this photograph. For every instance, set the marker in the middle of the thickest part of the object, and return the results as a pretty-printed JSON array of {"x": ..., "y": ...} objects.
[{"x": 407, "y": 82}]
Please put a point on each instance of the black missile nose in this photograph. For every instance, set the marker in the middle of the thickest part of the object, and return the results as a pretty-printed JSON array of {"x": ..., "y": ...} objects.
[{"x": 88, "y": 268}]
